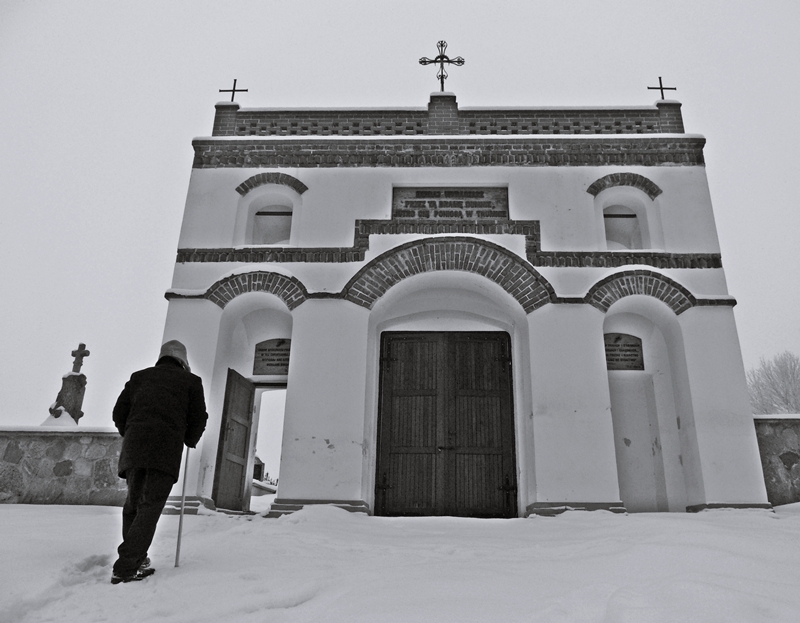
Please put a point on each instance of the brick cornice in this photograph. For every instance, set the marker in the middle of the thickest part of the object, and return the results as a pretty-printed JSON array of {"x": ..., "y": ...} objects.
[
  {"x": 625, "y": 179},
  {"x": 453, "y": 151}
]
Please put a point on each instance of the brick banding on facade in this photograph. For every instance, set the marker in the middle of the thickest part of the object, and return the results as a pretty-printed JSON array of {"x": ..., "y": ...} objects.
[
  {"x": 625, "y": 179},
  {"x": 271, "y": 178},
  {"x": 472, "y": 255},
  {"x": 449, "y": 152},
  {"x": 613, "y": 259},
  {"x": 289, "y": 289},
  {"x": 619, "y": 285}
]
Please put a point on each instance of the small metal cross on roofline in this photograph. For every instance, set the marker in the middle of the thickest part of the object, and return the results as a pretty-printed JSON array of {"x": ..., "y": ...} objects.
[
  {"x": 442, "y": 59},
  {"x": 233, "y": 91},
  {"x": 79, "y": 354},
  {"x": 661, "y": 88}
]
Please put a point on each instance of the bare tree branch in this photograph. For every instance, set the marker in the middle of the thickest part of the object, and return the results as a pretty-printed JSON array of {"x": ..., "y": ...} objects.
[{"x": 775, "y": 385}]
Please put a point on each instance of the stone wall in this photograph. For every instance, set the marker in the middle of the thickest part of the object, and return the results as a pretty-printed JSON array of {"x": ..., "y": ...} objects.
[
  {"x": 58, "y": 466},
  {"x": 779, "y": 445}
]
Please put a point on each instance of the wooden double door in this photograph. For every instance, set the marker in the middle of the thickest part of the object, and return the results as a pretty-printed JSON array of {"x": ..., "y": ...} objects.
[{"x": 446, "y": 425}]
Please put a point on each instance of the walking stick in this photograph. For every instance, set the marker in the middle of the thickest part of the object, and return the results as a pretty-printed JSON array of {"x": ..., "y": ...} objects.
[{"x": 183, "y": 503}]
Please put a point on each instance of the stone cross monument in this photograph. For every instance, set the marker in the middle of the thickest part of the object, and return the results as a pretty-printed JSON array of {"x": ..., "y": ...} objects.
[{"x": 73, "y": 386}]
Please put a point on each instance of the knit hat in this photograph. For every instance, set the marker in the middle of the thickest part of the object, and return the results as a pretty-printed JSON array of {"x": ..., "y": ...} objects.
[{"x": 177, "y": 351}]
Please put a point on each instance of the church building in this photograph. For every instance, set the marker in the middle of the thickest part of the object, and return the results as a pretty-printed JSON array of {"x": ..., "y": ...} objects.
[{"x": 484, "y": 312}]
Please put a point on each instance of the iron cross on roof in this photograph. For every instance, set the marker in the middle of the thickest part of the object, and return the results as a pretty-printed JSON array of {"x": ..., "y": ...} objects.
[
  {"x": 661, "y": 88},
  {"x": 233, "y": 91},
  {"x": 442, "y": 59}
]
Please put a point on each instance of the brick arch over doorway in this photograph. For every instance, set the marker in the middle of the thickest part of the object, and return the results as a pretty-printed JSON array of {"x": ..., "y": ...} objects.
[
  {"x": 619, "y": 285},
  {"x": 473, "y": 255},
  {"x": 625, "y": 179},
  {"x": 289, "y": 289}
]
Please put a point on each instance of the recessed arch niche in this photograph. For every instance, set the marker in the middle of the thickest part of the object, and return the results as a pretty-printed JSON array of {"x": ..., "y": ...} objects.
[
  {"x": 627, "y": 218},
  {"x": 654, "y": 439}
]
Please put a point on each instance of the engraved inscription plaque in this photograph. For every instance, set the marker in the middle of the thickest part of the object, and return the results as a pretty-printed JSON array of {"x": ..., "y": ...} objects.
[
  {"x": 623, "y": 352},
  {"x": 272, "y": 357},
  {"x": 446, "y": 204}
]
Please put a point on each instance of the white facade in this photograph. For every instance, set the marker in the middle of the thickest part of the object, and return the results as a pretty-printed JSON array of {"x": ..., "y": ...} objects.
[{"x": 621, "y": 240}]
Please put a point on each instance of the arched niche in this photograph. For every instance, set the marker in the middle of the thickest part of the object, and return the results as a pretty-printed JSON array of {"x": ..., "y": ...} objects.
[
  {"x": 655, "y": 444},
  {"x": 247, "y": 320},
  {"x": 265, "y": 216},
  {"x": 630, "y": 216}
]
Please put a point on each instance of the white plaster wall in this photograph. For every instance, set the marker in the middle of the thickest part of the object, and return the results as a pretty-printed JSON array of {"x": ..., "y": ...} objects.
[
  {"x": 556, "y": 196},
  {"x": 724, "y": 426},
  {"x": 195, "y": 323},
  {"x": 572, "y": 427},
  {"x": 323, "y": 431}
]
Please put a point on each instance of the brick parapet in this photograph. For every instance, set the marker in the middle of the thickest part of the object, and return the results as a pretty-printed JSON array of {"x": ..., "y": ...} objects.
[
  {"x": 450, "y": 152},
  {"x": 225, "y": 119},
  {"x": 444, "y": 117},
  {"x": 669, "y": 113},
  {"x": 442, "y": 114}
]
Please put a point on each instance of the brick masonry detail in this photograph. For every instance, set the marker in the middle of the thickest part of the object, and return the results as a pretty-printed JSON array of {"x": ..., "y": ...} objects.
[
  {"x": 271, "y": 178},
  {"x": 625, "y": 179},
  {"x": 448, "y": 152},
  {"x": 444, "y": 117},
  {"x": 289, "y": 289},
  {"x": 473, "y": 255}
]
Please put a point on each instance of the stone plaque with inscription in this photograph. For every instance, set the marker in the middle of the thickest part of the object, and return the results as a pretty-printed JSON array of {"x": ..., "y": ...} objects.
[
  {"x": 272, "y": 357},
  {"x": 623, "y": 352},
  {"x": 447, "y": 204}
]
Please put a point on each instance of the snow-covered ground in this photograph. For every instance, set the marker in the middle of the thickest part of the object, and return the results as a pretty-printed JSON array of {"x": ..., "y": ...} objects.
[{"x": 324, "y": 564}]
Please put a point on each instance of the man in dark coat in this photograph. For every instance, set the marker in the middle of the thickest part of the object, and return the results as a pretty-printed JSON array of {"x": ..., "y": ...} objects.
[{"x": 161, "y": 409}]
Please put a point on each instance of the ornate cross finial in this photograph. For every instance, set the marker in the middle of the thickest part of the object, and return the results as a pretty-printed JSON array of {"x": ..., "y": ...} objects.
[
  {"x": 442, "y": 59},
  {"x": 661, "y": 88},
  {"x": 79, "y": 354},
  {"x": 233, "y": 91}
]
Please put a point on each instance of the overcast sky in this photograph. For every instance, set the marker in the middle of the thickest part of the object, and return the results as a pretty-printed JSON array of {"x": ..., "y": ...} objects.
[{"x": 99, "y": 102}]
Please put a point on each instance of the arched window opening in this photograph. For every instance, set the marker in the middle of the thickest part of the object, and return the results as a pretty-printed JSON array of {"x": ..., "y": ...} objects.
[
  {"x": 622, "y": 228},
  {"x": 272, "y": 225}
]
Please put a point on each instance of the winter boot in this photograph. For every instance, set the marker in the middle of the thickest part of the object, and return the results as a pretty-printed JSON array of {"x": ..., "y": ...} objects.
[{"x": 136, "y": 576}]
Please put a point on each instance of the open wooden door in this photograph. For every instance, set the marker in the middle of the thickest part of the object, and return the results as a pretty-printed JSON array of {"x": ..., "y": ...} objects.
[
  {"x": 231, "y": 477},
  {"x": 446, "y": 425}
]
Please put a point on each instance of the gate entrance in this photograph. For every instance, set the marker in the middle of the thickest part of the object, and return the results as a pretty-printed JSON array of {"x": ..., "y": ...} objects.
[{"x": 446, "y": 425}]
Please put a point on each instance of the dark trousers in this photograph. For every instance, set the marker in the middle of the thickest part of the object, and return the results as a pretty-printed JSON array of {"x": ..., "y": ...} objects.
[{"x": 148, "y": 490}]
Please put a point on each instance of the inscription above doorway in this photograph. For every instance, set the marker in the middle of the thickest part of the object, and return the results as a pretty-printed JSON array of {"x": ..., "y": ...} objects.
[{"x": 446, "y": 425}]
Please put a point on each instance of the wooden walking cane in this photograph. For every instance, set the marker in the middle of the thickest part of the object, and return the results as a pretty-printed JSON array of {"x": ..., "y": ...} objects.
[{"x": 183, "y": 502}]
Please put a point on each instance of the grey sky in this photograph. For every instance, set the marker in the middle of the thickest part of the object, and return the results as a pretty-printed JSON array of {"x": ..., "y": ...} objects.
[{"x": 99, "y": 102}]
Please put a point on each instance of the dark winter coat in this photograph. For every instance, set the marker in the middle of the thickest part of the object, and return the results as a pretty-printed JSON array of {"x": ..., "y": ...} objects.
[{"x": 161, "y": 409}]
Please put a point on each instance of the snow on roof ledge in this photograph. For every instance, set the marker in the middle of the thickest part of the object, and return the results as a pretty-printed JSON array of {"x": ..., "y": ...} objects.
[{"x": 776, "y": 416}]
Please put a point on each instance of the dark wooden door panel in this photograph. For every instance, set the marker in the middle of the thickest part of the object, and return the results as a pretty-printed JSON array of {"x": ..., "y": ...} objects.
[
  {"x": 234, "y": 443},
  {"x": 446, "y": 429}
]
